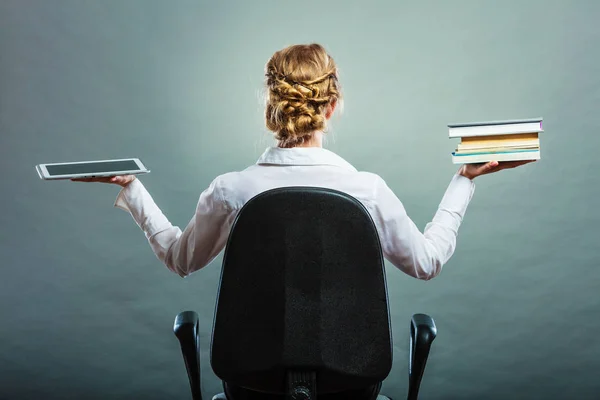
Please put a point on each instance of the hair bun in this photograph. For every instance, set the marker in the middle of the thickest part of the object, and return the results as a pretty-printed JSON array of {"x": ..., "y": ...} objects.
[{"x": 301, "y": 83}]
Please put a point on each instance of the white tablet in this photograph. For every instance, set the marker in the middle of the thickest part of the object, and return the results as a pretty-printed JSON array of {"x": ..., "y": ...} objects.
[{"x": 91, "y": 169}]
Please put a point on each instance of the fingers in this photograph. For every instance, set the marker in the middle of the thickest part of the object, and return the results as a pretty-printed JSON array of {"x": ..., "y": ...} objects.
[
  {"x": 98, "y": 179},
  {"x": 513, "y": 164},
  {"x": 121, "y": 180},
  {"x": 474, "y": 170},
  {"x": 518, "y": 163},
  {"x": 488, "y": 167}
]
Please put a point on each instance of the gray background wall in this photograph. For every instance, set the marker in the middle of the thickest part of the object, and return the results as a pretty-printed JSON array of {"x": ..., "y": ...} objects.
[{"x": 86, "y": 308}]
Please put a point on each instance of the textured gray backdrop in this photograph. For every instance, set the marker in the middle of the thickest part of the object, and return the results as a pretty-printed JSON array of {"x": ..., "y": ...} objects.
[{"x": 86, "y": 308}]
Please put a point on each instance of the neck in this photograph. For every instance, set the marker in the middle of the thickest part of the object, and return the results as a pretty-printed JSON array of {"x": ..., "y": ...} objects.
[{"x": 316, "y": 140}]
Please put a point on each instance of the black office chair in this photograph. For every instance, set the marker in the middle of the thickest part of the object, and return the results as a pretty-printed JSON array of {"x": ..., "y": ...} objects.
[{"x": 302, "y": 309}]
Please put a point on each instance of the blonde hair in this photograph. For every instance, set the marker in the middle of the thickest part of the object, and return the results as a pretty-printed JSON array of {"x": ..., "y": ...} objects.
[{"x": 302, "y": 82}]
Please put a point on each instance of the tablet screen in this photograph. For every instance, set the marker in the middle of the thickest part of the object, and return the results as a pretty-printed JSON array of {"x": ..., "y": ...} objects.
[{"x": 92, "y": 167}]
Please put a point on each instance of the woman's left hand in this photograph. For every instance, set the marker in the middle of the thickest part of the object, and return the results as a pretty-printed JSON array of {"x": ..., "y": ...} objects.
[{"x": 121, "y": 180}]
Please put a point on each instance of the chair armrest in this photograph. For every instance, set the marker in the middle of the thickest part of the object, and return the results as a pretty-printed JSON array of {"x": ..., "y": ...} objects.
[
  {"x": 186, "y": 329},
  {"x": 422, "y": 334}
]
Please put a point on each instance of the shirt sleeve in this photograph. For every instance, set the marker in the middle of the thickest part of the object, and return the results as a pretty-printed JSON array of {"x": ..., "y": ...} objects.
[
  {"x": 201, "y": 240},
  {"x": 421, "y": 254}
]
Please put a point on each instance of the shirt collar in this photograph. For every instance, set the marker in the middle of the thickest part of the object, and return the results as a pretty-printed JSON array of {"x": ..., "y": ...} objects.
[{"x": 302, "y": 156}]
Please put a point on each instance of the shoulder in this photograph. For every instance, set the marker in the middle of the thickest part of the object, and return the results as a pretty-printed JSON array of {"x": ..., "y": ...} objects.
[
  {"x": 234, "y": 188},
  {"x": 215, "y": 196},
  {"x": 376, "y": 194},
  {"x": 368, "y": 179},
  {"x": 364, "y": 186},
  {"x": 230, "y": 181}
]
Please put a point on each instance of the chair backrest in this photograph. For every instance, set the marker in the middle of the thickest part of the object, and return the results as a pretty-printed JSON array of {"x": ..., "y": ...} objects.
[{"x": 302, "y": 288}]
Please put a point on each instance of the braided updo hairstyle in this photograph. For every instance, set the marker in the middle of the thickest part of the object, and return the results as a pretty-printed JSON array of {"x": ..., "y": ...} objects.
[{"x": 302, "y": 82}]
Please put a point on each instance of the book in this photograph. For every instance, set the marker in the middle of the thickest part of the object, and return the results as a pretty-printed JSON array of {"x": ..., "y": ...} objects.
[
  {"x": 510, "y": 140},
  {"x": 495, "y": 127},
  {"x": 483, "y": 150},
  {"x": 486, "y": 157},
  {"x": 513, "y": 138},
  {"x": 518, "y": 140},
  {"x": 490, "y": 147}
]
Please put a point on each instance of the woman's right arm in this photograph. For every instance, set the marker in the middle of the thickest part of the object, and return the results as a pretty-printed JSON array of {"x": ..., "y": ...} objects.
[{"x": 423, "y": 254}]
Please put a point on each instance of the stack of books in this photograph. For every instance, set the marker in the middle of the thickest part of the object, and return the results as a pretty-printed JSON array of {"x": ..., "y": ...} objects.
[{"x": 512, "y": 140}]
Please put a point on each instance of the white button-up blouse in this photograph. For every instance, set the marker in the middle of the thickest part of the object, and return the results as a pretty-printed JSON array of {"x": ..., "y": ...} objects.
[{"x": 418, "y": 254}]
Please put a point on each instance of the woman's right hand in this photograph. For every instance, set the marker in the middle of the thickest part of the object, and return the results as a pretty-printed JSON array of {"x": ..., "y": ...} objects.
[{"x": 472, "y": 171}]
